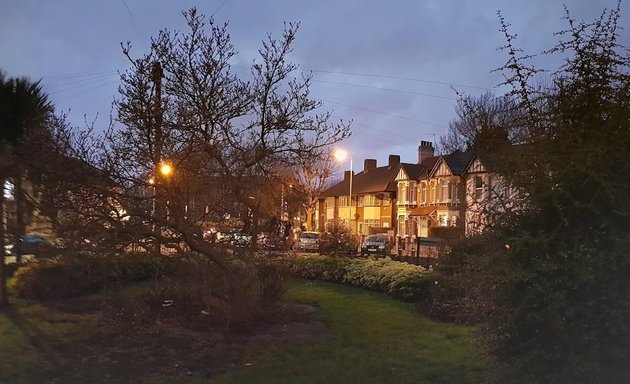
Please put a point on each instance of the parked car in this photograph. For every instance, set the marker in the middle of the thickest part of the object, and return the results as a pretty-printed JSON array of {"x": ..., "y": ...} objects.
[
  {"x": 308, "y": 241},
  {"x": 240, "y": 239},
  {"x": 271, "y": 241},
  {"x": 234, "y": 237},
  {"x": 31, "y": 245},
  {"x": 374, "y": 245}
]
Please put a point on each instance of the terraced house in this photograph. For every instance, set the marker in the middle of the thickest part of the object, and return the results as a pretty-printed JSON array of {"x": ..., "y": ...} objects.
[
  {"x": 371, "y": 207},
  {"x": 431, "y": 200},
  {"x": 439, "y": 197}
]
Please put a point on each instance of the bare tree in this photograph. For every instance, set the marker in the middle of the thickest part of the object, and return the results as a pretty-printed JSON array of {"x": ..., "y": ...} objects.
[
  {"x": 481, "y": 122},
  {"x": 223, "y": 137},
  {"x": 313, "y": 177}
]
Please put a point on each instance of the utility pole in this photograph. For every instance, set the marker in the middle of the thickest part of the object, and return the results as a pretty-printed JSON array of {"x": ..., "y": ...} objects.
[
  {"x": 156, "y": 77},
  {"x": 4, "y": 301}
]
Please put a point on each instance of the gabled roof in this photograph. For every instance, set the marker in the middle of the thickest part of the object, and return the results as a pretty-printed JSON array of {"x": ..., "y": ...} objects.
[
  {"x": 427, "y": 166},
  {"x": 457, "y": 161},
  {"x": 412, "y": 170},
  {"x": 380, "y": 179},
  {"x": 383, "y": 179}
]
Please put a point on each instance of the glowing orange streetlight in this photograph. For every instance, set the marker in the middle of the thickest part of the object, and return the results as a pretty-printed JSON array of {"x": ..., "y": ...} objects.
[{"x": 166, "y": 169}]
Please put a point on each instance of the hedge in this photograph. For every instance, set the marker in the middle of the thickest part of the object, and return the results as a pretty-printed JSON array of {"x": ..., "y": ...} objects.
[
  {"x": 70, "y": 276},
  {"x": 401, "y": 280}
]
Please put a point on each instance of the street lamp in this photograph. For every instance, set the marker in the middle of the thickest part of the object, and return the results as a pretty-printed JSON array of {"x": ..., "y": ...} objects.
[
  {"x": 341, "y": 156},
  {"x": 166, "y": 169}
]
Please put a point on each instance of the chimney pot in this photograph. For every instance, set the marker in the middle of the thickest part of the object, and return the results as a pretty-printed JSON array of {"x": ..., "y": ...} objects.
[
  {"x": 425, "y": 150},
  {"x": 394, "y": 160},
  {"x": 369, "y": 164}
]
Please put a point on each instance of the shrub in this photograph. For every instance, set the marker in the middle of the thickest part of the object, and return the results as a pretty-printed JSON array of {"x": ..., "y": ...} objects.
[
  {"x": 272, "y": 281},
  {"x": 69, "y": 276},
  {"x": 400, "y": 280},
  {"x": 338, "y": 239}
]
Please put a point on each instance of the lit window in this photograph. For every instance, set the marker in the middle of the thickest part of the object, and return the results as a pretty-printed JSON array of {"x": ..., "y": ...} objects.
[
  {"x": 423, "y": 193},
  {"x": 443, "y": 190},
  {"x": 478, "y": 188},
  {"x": 454, "y": 188}
]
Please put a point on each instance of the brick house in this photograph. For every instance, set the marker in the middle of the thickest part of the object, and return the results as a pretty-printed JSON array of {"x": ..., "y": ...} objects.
[{"x": 372, "y": 206}]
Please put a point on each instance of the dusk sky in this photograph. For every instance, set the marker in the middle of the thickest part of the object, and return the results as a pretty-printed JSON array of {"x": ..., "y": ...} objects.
[{"x": 390, "y": 66}]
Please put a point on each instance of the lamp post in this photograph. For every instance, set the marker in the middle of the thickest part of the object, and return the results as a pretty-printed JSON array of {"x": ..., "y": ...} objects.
[
  {"x": 152, "y": 184},
  {"x": 341, "y": 155},
  {"x": 163, "y": 170},
  {"x": 166, "y": 170}
]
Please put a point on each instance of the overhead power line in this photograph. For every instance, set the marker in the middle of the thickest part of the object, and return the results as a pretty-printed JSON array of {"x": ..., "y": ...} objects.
[
  {"x": 385, "y": 89},
  {"x": 399, "y": 78},
  {"x": 386, "y": 114},
  {"x": 219, "y": 8},
  {"x": 133, "y": 19}
]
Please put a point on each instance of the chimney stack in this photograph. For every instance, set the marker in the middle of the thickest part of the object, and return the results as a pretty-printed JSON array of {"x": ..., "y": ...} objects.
[
  {"x": 369, "y": 164},
  {"x": 394, "y": 160},
  {"x": 346, "y": 175},
  {"x": 425, "y": 150}
]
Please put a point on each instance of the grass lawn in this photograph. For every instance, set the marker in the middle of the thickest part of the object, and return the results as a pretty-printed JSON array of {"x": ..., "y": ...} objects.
[
  {"x": 368, "y": 338},
  {"x": 374, "y": 339},
  {"x": 36, "y": 340}
]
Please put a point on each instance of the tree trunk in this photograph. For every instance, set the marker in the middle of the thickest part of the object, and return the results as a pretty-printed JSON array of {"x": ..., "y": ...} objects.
[
  {"x": 4, "y": 301},
  {"x": 309, "y": 218},
  {"x": 20, "y": 207}
]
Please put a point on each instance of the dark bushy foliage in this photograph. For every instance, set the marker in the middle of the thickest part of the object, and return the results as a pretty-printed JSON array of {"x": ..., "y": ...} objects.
[
  {"x": 82, "y": 274},
  {"x": 553, "y": 276},
  {"x": 400, "y": 280},
  {"x": 338, "y": 239},
  {"x": 466, "y": 278},
  {"x": 272, "y": 281}
]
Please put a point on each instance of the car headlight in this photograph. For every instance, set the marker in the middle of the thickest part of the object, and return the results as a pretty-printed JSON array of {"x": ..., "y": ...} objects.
[{"x": 381, "y": 247}]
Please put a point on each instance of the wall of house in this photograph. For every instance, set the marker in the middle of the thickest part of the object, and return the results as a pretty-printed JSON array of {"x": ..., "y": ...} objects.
[{"x": 485, "y": 192}]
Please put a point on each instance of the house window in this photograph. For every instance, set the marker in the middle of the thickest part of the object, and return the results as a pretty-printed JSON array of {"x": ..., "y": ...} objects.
[
  {"x": 401, "y": 225},
  {"x": 370, "y": 201},
  {"x": 478, "y": 188},
  {"x": 433, "y": 195},
  {"x": 454, "y": 188},
  {"x": 403, "y": 193},
  {"x": 369, "y": 223},
  {"x": 344, "y": 201},
  {"x": 411, "y": 198},
  {"x": 330, "y": 202},
  {"x": 443, "y": 191},
  {"x": 423, "y": 193},
  {"x": 443, "y": 220}
]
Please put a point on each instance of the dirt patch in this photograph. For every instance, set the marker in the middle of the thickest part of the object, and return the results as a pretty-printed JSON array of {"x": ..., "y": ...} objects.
[{"x": 129, "y": 349}]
